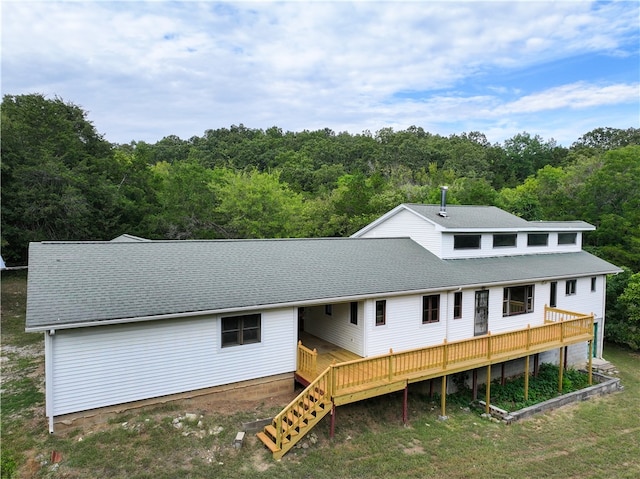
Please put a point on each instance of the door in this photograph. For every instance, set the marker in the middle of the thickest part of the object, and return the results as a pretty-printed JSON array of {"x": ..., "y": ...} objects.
[
  {"x": 481, "y": 322},
  {"x": 553, "y": 294}
]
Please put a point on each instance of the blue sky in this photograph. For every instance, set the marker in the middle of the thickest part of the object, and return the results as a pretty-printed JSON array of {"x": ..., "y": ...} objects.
[{"x": 146, "y": 70}]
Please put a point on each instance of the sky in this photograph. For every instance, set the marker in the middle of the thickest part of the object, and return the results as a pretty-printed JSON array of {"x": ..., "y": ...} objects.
[{"x": 146, "y": 70}]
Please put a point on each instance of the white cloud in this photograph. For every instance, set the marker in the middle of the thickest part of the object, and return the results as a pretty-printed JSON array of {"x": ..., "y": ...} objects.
[
  {"x": 146, "y": 70},
  {"x": 575, "y": 96}
]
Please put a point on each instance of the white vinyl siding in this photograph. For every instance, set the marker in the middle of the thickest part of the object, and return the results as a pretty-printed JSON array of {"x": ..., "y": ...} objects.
[
  {"x": 462, "y": 328},
  {"x": 403, "y": 224},
  {"x": 487, "y": 249},
  {"x": 584, "y": 300},
  {"x": 337, "y": 328},
  {"x": 105, "y": 365},
  {"x": 404, "y": 328}
]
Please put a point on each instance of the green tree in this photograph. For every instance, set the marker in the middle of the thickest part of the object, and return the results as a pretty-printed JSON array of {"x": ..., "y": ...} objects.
[
  {"x": 258, "y": 205},
  {"x": 630, "y": 298},
  {"x": 524, "y": 156},
  {"x": 610, "y": 199},
  {"x": 603, "y": 139},
  {"x": 623, "y": 304},
  {"x": 186, "y": 202},
  {"x": 55, "y": 175}
]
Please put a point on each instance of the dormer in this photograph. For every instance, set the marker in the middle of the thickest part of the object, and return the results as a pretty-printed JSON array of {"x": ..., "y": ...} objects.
[{"x": 476, "y": 231}]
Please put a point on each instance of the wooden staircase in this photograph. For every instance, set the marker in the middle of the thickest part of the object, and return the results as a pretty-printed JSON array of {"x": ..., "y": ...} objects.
[
  {"x": 355, "y": 380},
  {"x": 299, "y": 417}
]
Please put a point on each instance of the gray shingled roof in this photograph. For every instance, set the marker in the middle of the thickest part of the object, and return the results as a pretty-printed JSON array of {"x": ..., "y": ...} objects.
[
  {"x": 71, "y": 282},
  {"x": 485, "y": 217},
  {"x": 488, "y": 218},
  {"x": 529, "y": 267},
  {"x": 88, "y": 282},
  {"x": 562, "y": 225}
]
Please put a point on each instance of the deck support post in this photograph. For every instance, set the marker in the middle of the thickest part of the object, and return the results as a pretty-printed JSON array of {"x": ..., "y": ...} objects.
[
  {"x": 526, "y": 378},
  {"x": 560, "y": 370},
  {"x": 590, "y": 366},
  {"x": 332, "y": 427},
  {"x": 536, "y": 364},
  {"x": 443, "y": 398},
  {"x": 405, "y": 406},
  {"x": 487, "y": 399},
  {"x": 503, "y": 379},
  {"x": 474, "y": 384}
]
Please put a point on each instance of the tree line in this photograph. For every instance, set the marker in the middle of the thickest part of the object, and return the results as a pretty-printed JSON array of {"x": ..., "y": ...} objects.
[{"x": 61, "y": 180}]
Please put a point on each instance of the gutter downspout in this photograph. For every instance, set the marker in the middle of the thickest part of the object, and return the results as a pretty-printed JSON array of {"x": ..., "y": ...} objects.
[{"x": 48, "y": 376}]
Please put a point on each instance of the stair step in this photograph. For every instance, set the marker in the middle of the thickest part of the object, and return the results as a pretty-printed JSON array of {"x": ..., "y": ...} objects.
[
  {"x": 266, "y": 440},
  {"x": 312, "y": 400},
  {"x": 269, "y": 429},
  {"x": 273, "y": 432}
]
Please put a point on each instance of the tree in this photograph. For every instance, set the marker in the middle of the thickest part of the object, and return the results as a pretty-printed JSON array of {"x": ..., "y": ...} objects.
[
  {"x": 623, "y": 303},
  {"x": 524, "y": 155},
  {"x": 630, "y": 298},
  {"x": 55, "y": 181},
  {"x": 186, "y": 202},
  {"x": 603, "y": 139},
  {"x": 257, "y": 205},
  {"x": 610, "y": 199}
]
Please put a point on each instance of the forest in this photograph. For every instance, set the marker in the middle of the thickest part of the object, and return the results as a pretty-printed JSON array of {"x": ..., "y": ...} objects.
[{"x": 61, "y": 180}]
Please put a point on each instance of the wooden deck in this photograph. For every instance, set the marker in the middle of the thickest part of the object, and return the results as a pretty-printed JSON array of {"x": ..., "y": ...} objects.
[
  {"x": 327, "y": 354},
  {"x": 335, "y": 376}
]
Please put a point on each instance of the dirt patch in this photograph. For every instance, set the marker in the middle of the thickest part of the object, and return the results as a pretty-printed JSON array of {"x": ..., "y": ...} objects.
[{"x": 415, "y": 448}]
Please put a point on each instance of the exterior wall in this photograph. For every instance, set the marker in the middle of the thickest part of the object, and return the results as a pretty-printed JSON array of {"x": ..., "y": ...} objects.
[
  {"x": 577, "y": 355},
  {"x": 405, "y": 223},
  {"x": 487, "y": 249},
  {"x": 403, "y": 329},
  {"x": 585, "y": 300},
  {"x": 462, "y": 328},
  {"x": 253, "y": 390},
  {"x": 106, "y": 365},
  {"x": 337, "y": 328}
]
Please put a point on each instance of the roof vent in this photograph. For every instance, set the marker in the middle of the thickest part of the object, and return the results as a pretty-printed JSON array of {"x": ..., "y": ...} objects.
[{"x": 443, "y": 201}]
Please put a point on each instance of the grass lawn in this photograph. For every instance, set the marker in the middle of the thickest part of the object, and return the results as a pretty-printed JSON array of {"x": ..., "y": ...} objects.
[{"x": 595, "y": 439}]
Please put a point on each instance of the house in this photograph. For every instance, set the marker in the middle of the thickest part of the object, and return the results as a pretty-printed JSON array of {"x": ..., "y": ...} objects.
[{"x": 409, "y": 295}]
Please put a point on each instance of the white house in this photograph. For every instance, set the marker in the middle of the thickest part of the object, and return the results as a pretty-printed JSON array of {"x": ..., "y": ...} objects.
[{"x": 133, "y": 320}]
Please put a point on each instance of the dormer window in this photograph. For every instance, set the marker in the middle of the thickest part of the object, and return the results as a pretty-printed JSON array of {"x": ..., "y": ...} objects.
[
  {"x": 504, "y": 240},
  {"x": 466, "y": 242},
  {"x": 537, "y": 239},
  {"x": 567, "y": 238}
]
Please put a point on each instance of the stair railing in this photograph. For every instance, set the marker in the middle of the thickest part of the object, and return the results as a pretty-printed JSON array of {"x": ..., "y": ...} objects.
[{"x": 301, "y": 404}]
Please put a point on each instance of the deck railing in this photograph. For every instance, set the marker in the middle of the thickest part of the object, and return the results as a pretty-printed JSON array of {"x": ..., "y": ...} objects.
[
  {"x": 558, "y": 315},
  {"x": 560, "y": 328},
  {"x": 350, "y": 381},
  {"x": 307, "y": 361}
]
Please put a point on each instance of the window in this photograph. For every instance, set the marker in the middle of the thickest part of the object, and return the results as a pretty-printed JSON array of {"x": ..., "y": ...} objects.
[
  {"x": 328, "y": 309},
  {"x": 238, "y": 330},
  {"x": 517, "y": 300},
  {"x": 431, "y": 309},
  {"x": 570, "y": 287},
  {"x": 466, "y": 242},
  {"x": 503, "y": 241},
  {"x": 353, "y": 317},
  {"x": 553, "y": 295},
  {"x": 566, "y": 238},
  {"x": 381, "y": 312},
  {"x": 537, "y": 239},
  {"x": 457, "y": 305},
  {"x": 593, "y": 284}
]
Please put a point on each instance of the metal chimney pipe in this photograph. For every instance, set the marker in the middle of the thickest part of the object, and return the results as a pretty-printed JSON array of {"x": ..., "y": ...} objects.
[{"x": 443, "y": 201}]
